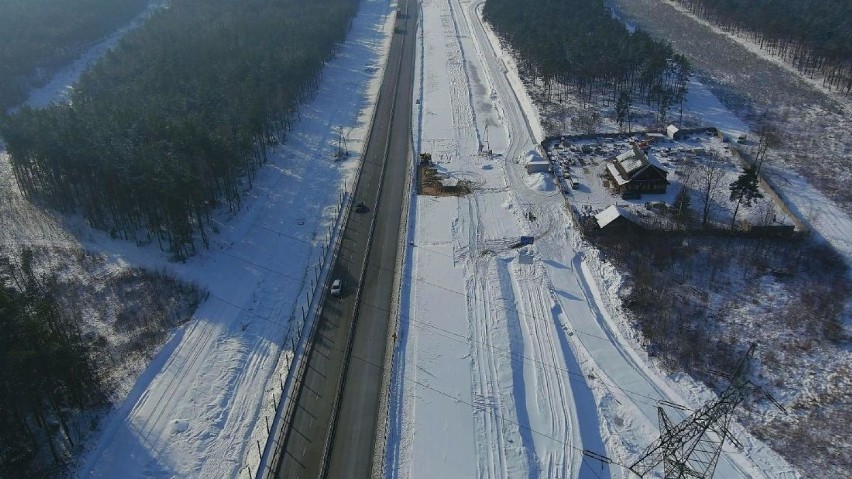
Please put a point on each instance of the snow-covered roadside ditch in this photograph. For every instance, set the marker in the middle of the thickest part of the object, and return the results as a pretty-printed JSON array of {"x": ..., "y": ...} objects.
[{"x": 197, "y": 410}]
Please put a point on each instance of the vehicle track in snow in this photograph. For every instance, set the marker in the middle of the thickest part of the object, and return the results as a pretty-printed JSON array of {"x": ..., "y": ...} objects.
[
  {"x": 548, "y": 392},
  {"x": 533, "y": 382},
  {"x": 537, "y": 399},
  {"x": 485, "y": 378}
]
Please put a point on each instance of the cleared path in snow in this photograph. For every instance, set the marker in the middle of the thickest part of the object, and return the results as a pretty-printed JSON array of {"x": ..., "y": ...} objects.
[{"x": 485, "y": 386}]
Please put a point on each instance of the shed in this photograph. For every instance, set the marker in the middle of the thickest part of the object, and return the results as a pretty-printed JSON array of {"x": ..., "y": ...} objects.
[
  {"x": 450, "y": 182},
  {"x": 451, "y": 186},
  {"x": 672, "y": 132},
  {"x": 535, "y": 163},
  {"x": 615, "y": 221},
  {"x": 608, "y": 215}
]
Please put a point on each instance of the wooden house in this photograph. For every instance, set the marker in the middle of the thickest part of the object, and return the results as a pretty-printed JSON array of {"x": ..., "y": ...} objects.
[{"x": 631, "y": 171}]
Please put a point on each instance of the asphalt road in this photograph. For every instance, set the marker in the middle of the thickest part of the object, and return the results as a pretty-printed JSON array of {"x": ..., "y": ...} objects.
[{"x": 319, "y": 423}]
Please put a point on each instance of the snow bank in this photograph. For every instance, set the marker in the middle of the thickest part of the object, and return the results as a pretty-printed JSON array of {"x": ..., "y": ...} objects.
[{"x": 540, "y": 182}]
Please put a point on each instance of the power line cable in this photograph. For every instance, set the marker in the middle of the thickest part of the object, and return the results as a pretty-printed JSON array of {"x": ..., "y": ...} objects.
[
  {"x": 460, "y": 293},
  {"x": 586, "y": 453},
  {"x": 577, "y": 376}
]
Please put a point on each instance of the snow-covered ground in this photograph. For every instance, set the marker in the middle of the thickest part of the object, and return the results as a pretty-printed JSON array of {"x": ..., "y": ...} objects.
[
  {"x": 592, "y": 191},
  {"x": 815, "y": 81},
  {"x": 510, "y": 362},
  {"x": 828, "y": 221},
  {"x": 811, "y": 168},
  {"x": 197, "y": 410}
]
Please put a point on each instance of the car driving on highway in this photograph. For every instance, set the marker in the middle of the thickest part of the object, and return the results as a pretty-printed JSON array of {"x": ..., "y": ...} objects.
[{"x": 336, "y": 287}]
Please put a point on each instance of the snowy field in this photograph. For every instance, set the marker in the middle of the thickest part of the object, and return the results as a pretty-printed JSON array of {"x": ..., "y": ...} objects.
[
  {"x": 510, "y": 363},
  {"x": 198, "y": 408}
]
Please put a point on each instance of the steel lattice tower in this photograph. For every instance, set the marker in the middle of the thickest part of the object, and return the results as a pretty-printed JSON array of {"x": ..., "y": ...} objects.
[{"x": 691, "y": 448}]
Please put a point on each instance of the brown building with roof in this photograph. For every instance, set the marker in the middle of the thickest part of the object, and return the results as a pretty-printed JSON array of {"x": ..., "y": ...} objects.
[{"x": 631, "y": 171}]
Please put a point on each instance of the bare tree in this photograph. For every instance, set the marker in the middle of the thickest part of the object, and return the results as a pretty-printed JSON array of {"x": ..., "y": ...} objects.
[
  {"x": 622, "y": 110},
  {"x": 708, "y": 177},
  {"x": 680, "y": 206},
  {"x": 587, "y": 121},
  {"x": 768, "y": 137}
]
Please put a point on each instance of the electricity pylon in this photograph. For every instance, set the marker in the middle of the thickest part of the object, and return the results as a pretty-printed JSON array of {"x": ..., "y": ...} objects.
[
  {"x": 691, "y": 448},
  {"x": 342, "y": 151}
]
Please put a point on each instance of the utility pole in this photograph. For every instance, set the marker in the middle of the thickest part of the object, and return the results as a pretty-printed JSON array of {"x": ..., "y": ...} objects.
[{"x": 691, "y": 448}]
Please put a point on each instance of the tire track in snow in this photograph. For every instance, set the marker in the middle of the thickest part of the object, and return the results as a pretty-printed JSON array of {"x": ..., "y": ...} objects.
[
  {"x": 176, "y": 373},
  {"x": 485, "y": 380},
  {"x": 550, "y": 389},
  {"x": 553, "y": 409},
  {"x": 518, "y": 345},
  {"x": 468, "y": 101}
]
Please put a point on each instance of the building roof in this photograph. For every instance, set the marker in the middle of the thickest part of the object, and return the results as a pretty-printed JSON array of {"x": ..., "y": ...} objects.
[
  {"x": 629, "y": 161},
  {"x": 671, "y": 130},
  {"x": 630, "y": 165},
  {"x": 617, "y": 174},
  {"x": 532, "y": 156},
  {"x": 608, "y": 215}
]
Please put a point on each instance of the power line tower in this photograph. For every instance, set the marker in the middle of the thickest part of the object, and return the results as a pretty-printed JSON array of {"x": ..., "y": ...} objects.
[
  {"x": 691, "y": 448},
  {"x": 342, "y": 152},
  {"x": 485, "y": 149}
]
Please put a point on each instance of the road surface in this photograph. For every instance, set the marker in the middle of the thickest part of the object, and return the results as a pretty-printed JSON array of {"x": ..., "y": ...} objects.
[{"x": 325, "y": 440}]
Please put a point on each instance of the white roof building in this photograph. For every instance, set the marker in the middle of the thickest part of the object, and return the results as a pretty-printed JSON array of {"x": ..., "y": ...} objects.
[
  {"x": 671, "y": 131},
  {"x": 608, "y": 215},
  {"x": 449, "y": 182},
  {"x": 535, "y": 163}
]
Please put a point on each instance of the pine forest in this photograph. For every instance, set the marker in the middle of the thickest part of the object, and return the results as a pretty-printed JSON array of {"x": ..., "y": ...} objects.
[
  {"x": 37, "y": 36},
  {"x": 176, "y": 119},
  {"x": 579, "y": 46},
  {"x": 814, "y": 36}
]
